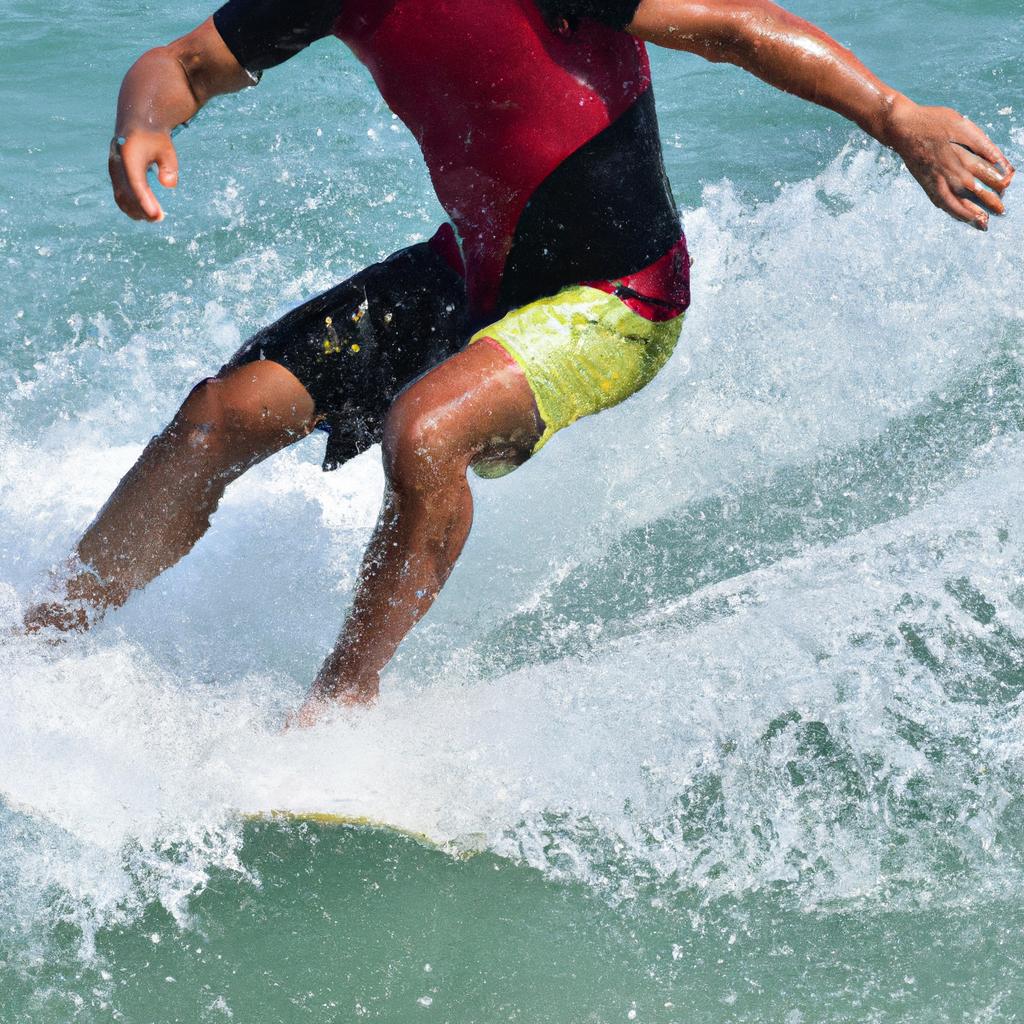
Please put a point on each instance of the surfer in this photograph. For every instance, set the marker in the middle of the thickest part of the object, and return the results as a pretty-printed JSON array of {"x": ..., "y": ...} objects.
[{"x": 557, "y": 290}]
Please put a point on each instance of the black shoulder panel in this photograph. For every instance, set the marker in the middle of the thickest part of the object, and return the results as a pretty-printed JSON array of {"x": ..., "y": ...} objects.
[
  {"x": 605, "y": 212},
  {"x": 264, "y": 33},
  {"x": 617, "y": 13}
]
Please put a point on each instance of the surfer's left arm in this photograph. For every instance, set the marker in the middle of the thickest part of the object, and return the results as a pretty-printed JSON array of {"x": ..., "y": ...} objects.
[{"x": 956, "y": 163}]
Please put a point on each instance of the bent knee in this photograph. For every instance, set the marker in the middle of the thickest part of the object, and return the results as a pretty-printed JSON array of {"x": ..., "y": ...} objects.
[
  {"x": 214, "y": 415},
  {"x": 421, "y": 447},
  {"x": 240, "y": 410}
]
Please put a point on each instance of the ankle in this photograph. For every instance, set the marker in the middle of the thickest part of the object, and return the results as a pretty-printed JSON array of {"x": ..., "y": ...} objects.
[
  {"x": 335, "y": 686},
  {"x": 88, "y": 588},
  {"x": 75, "y": 599}
]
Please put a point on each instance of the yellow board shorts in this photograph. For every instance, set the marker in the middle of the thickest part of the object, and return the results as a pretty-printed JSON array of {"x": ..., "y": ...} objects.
[{"x": 582, "y": 350}]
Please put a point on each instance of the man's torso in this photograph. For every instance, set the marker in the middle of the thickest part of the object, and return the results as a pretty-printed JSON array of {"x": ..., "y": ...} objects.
[{"x": 540, "y": 135}]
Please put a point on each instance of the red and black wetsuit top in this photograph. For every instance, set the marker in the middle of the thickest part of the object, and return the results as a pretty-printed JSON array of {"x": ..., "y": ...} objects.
[{"x": 536, "y": 120}]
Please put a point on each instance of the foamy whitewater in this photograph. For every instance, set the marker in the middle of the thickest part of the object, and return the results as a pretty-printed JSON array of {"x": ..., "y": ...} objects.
[{"x": 734, "y": 670}]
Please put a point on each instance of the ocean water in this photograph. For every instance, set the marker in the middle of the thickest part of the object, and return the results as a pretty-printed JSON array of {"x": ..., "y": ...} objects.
[{"x": 720, "y": 716}]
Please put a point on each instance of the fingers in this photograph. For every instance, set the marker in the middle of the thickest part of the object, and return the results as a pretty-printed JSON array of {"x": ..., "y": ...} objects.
[
  {"x": 963, "y": 171},
  {"x": 973, "y": 189},
  {"x": 136, "y": 164},
  {"x": 974, "y": 192},
  {"x": 971, "y": 137},
  {"x": 961, "y": 209},
  {"x": 987, "y": 174},
  {"x": 129, "y": 164},
  {"x": 123, "y": 194},
  {"x": 167, "y": 166},
  {"x": 982, "y": 181},
  {"x": 978, "y": 182}
]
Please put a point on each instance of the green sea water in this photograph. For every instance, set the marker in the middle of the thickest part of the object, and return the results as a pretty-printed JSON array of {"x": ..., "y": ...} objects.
[{"x": 719, "y": 718}]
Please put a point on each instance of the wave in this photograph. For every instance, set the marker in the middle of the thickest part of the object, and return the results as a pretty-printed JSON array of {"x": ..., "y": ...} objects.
[{"x": 760, "y": 626}]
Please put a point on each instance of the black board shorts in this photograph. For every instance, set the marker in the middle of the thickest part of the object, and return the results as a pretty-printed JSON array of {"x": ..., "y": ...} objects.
[{"x": 356, "y": 346}]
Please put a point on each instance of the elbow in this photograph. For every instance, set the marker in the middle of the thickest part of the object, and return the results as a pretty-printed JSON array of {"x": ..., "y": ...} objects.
[
  {"x": 201, "y": 75},
  {"x": 171, "y": 66},
  {"x": 734, "y": 32},
  {"x": 743, "y": 33},
  {"x": 151, "y": 58}
]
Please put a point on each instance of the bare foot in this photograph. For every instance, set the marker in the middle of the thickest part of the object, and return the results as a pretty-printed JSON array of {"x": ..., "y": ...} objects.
[
  {"x": 67, "y": 618},
  {"x": 77, "y": 600},
  {"x": 319, "y": 703}
]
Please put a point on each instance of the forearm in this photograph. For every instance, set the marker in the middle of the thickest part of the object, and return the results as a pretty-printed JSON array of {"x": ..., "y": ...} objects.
[
  {"x": 156, "y": 95},
  {"x": 164, "y": 88},
  {"x": 778, "y": 47}
]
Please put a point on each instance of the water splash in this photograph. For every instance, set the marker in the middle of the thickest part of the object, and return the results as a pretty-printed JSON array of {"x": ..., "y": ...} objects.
[{"x": 759, "y": 626}]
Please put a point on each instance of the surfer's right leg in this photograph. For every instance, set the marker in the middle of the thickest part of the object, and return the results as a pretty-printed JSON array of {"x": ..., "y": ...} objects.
[
  {"x": 336, "y": 362},
  {"x": 163, "y": 504}
]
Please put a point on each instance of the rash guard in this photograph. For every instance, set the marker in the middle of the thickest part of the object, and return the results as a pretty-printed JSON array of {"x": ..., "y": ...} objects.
[{"x": 536, "y": 120}]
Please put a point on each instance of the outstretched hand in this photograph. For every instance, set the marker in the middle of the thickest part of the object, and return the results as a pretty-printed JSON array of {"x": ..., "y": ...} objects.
[
  {"x": 129, "y": 163},
  {"x": 960, "y": 168}
]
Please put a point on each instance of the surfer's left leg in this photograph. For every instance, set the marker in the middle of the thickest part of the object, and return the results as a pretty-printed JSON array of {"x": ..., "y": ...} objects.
[
  {"x": 490, "y": 407},
  {"x": 475, "y": 408}
]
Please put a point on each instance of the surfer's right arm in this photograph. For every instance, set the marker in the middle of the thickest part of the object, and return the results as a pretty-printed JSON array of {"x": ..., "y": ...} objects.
[{"x": 165, "y": 87}]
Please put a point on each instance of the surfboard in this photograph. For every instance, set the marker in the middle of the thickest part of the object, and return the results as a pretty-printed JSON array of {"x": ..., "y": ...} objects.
[
  {"x": 463, "y": 847},
  {"x": 346, "y": 821}
]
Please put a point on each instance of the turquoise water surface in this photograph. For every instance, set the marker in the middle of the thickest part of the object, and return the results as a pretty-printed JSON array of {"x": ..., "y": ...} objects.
[{"x": 720, "y": 717}]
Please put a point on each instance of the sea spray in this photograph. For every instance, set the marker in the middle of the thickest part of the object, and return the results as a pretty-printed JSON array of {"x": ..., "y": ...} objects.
[{"x": 802, "y": 718}]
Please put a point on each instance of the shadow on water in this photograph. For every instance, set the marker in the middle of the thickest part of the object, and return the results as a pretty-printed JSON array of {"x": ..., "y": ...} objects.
[{"x": 726, "y": 535}]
